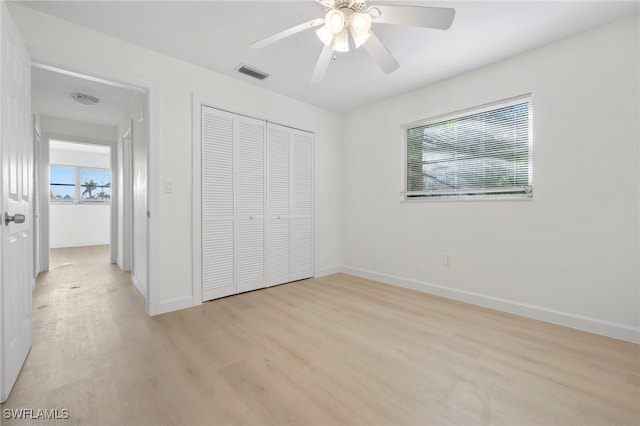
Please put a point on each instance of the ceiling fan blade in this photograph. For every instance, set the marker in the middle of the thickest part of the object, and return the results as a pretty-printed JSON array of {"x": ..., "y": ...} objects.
[
  {"x": 286, "y": 33},
  {"x": 415, "y": 16},
  {"x": 322, "y": 64},
  {"x": 380, "y": 54},
  {"x": 327, "y": 3}
]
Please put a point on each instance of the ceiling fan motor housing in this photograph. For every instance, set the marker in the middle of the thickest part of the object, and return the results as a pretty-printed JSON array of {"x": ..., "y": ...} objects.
[{"x": 353, "y": 6}]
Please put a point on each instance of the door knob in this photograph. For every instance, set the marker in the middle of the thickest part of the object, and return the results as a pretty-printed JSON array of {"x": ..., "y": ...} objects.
[{"x": 18, "y": 218}]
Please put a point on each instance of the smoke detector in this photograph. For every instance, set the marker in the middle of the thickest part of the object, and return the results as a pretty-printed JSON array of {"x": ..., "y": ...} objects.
[{"x": 84, "y": 99}]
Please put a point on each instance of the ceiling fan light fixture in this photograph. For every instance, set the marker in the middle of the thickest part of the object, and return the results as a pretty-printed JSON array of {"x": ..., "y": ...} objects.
[
  {"x": 343, "y": 17},
  {"x": 360, "y": 22},
  {"x": 335, "y": 21},
  {"x": 341, "y": 43},
  {"x": 325, "y": 36},
  {"x": 360, "y": 38}
]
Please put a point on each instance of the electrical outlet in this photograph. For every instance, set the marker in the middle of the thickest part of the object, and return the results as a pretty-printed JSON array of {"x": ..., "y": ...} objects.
[{"x": 446, "y": 259}]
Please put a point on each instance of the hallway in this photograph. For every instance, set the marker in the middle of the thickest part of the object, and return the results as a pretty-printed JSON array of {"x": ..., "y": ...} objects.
[{"x": 87, "y": 319}]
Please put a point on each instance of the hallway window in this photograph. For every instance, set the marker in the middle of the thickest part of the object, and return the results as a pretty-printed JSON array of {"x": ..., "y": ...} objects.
[
  {"x": 62, "y": 188},
  {"x": 96, "y": 185},
  {"x": 79, "y": 185}
]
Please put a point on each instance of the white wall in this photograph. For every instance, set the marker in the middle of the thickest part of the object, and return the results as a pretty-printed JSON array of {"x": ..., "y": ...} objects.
[
  {"x": 61, "y": 41},
  {"x": 570, "y": 255},
  {"x": 58, "y": 128},
  {"x": 78, "y": 225},
  {"x": 64, "y": 157}
]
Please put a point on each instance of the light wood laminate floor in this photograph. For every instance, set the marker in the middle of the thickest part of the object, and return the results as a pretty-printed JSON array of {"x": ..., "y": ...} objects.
[{"x": 336, "y": 350}]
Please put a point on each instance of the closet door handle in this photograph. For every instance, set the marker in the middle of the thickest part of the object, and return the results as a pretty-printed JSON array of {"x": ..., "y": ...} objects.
[{"x": 250, "y": 217}]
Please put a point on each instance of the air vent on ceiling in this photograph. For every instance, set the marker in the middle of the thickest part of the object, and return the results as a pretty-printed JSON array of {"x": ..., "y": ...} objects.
[{"x": 252, "y": 72}]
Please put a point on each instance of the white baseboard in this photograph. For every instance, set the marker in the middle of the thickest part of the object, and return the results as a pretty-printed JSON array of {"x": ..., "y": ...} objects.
[
  {"x": 592, "y": 325},
  {"x": 328, "y": 271},
  {"x": 139, "y": 286},
  {"x": 174, "y": 305}
]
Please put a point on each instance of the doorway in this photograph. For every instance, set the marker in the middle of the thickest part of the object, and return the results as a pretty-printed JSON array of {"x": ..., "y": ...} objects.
[
  {"x": 80, "y": 194},
  {"x": 74, "y": 107}
]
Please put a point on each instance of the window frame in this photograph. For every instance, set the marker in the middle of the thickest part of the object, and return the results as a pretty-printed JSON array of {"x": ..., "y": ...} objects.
[
  {"x": 77, "y": 198},
  {"x": 466, "y": 194}
]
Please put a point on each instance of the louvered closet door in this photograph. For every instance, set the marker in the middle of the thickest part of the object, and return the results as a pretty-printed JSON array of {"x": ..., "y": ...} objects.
[
  {"x": 218, "y": 203},
  {"x": 250, "y": 241},
  {"x": 302, "y": 195},
  {"x": 278, "y": 206}
]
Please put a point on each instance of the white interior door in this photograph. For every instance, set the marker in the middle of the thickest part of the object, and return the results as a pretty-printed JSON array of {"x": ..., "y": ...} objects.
[{"x": 16, "y": 146}]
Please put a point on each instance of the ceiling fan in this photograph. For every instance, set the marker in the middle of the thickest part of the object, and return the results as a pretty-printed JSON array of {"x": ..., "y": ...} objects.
[{"x": 344, "y": 17}]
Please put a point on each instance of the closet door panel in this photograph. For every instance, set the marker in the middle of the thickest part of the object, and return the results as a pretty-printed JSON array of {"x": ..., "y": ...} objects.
[
  {"x": 250, "y": 240},
  {"x": 250, "y": 255},
  {"x": 302, "y": 191},
  {"x": 278, "y": 253},
  {"x": 302, "y": 197},
  {"x": 218, "y": 188},
  {"x": 218, "y": 259},
  {"x": 278, "y": 203},
  {"x": 278, "y": 172},
  {"x": 301, "y": 259},
  {"x": 218, "y": 201},
  {"x": 251, "y": 167}
]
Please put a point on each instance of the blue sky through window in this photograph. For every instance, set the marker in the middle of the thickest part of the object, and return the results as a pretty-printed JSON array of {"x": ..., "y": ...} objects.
[{"x": 63, "y": 181}]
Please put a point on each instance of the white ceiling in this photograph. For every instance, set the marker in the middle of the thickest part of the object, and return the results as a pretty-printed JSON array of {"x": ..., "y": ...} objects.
[
  {"x": 217, "y": 35},
  {"x": 50, "y": 93}
]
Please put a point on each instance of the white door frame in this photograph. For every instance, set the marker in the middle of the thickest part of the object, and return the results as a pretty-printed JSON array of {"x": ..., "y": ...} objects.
[
  {"x": 37, "y": 199},
  {"x": 43, "y": 182},
  {"x": 96, "y": 73},
  {"x": 125, "y": 195}
]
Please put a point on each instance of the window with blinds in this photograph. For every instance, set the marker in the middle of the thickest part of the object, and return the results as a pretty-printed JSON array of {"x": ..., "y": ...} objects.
[{"x": 476, "y": 153}]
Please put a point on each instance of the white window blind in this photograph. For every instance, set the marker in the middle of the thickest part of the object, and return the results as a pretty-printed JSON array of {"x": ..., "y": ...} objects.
[{"x": 485, "y": 151}]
